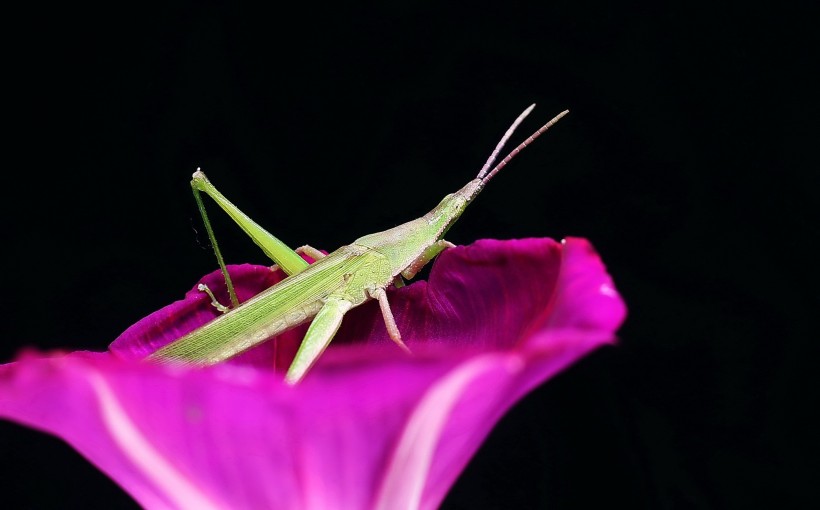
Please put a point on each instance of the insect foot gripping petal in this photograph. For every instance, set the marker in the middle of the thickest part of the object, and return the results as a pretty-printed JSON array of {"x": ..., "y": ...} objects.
[
  {"x": 389, "y": 321},
  {"x": 318, "y": 336}
]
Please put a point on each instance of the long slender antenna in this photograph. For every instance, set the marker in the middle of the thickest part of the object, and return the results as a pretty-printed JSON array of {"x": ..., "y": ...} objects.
[
  {"x": 504, "y": 139},
  {"x": 521, "y": 146}
]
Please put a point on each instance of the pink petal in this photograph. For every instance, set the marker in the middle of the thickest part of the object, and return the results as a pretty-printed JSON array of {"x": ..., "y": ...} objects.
[{"x": 369, "y": 427}]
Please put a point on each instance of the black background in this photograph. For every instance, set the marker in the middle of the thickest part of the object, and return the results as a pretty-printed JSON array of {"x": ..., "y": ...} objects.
[{"x": 684, "y": 160}]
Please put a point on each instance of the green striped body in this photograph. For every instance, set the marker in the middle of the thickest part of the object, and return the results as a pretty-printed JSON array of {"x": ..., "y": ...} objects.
[{"x": 289, "y": 303}]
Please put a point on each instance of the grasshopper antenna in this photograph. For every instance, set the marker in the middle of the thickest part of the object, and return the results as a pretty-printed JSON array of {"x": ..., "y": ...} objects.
[
  {"x": 486, "y": 175},
  {"x": 503, "y": 141}
]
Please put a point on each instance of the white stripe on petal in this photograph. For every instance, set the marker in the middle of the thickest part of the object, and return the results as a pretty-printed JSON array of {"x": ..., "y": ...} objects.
[
  {"x": 139, "y": 450},
  {"x": 404, "y": 480}
]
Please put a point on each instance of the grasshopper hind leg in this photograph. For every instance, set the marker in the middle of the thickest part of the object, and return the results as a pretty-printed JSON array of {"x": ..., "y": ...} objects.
[
  {"x": 279, "y": 252},
  {"x": 289, "y": 260},
  {"x": 212, "y": 238}
]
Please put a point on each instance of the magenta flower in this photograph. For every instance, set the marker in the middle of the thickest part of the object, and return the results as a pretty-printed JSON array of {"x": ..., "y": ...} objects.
[{"x": 369, "y": 427}]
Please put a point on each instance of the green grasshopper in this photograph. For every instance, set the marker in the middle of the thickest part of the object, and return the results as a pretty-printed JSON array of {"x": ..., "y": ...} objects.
[{"x": 333, "y": 284}]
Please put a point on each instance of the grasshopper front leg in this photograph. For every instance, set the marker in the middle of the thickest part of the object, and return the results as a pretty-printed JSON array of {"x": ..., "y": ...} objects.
[{"x": 426, "y": 256}]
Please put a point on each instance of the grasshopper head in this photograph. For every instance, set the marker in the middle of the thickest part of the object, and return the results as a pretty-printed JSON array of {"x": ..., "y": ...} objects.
[
  {"x": 448, "y": 211},
  {"x": 450, "y": 208}
]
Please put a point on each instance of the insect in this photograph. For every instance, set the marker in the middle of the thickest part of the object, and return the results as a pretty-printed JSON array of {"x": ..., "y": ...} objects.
[{"x": 325, "y": 290}]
